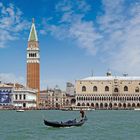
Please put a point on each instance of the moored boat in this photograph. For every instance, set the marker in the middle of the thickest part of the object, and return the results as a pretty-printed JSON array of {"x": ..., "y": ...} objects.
[
  {"x": 20, "y": 110},
  {"x": 85, "y": 108},
  {"x": 136, "y": 108}
]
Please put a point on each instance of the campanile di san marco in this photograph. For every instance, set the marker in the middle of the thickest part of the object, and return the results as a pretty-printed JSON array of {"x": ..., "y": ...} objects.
[{"x": 33, "y": 61}]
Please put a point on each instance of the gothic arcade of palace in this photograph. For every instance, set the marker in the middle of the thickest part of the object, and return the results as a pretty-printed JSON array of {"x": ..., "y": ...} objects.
[{"x": 107, "y": 92}]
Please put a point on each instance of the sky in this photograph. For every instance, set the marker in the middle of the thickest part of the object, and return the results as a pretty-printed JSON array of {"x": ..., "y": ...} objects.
[{"x": 76, "y": 38}]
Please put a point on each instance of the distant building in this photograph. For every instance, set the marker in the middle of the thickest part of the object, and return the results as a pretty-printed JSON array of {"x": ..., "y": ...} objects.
[
  {"x": 24, "y": 97},
  {"x": 16, "y": 95},
  {"x": 54, "y": 98},
  {"x": 15, "y": 85},
  {"x": 107, "y": 92},
  {"x": 43, "y": 103},
  {"x": 70, "y": 89}
]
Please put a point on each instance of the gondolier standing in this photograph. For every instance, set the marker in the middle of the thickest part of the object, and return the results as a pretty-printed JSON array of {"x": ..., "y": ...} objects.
[{"x": 82, "y": 113}]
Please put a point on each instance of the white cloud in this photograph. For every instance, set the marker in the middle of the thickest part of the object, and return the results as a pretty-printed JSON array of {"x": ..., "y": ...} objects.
[
  {"x": 85, "y": 35},
  {"x": 9, "y": 77},
  {"x": 11, "y": 24},
  {"x": 122, "y": 30},
  {"x": 114, "y": 35},
  {"x": 72, "y": 26},
  {"x": 79, "y": 6}
]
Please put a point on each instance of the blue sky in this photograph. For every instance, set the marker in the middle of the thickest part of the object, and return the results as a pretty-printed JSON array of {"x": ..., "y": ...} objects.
[{"x": 75, "y": 38}]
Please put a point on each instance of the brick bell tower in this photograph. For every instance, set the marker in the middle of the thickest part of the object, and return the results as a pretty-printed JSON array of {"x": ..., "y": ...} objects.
[{"x": 33, "y": 61}]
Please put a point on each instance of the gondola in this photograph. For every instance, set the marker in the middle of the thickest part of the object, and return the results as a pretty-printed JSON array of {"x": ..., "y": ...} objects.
[{"x": 64, "y": 124}]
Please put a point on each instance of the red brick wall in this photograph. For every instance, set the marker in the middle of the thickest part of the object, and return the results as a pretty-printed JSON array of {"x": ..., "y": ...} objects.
[{"x": 33, "y": 75}]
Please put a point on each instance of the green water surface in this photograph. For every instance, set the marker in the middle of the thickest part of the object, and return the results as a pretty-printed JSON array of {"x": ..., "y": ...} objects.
[{"x": 101, "y": 125}]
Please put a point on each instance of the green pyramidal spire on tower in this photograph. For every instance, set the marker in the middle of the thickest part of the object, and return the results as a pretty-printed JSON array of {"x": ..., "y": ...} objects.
[{"x": 33, "y": 34}]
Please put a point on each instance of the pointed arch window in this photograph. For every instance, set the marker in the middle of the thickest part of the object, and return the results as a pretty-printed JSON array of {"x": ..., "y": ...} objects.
[
  {"x": 106, "y": 88},
  {"x": 116, "y": 90},
  {"x": 78, "y": 104},
  {"x": 83, "y": 88},
  {"x": 125, "y": 88},
  {"x": 137, "y": 89},
  {"x": 95, "y": 88},
  {"x": 83, "y": 104}
]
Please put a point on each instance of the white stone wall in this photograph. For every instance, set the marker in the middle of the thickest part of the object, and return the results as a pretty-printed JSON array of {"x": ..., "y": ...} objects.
[
  {"x": 108, "y": 99},
  {"x": 30, "y": 97}
]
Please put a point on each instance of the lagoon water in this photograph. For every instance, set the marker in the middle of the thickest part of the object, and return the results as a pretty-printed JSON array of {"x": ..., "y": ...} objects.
[{"x": 101, "y": 125}]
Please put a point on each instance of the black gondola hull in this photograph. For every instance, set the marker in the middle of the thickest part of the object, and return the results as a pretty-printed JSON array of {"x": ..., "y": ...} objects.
[{"x": 64, "y": 124}]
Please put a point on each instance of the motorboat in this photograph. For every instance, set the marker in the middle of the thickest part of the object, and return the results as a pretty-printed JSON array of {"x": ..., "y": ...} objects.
[
  {"x": 136, "y": 108},
  {"x": 85, "y": 108},
  {"x": 20, "y": 110}
]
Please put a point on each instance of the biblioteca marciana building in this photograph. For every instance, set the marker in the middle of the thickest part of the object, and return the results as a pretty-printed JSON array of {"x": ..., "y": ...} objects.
[
  {"x": 108, "y": 92},
  {"x": 16, "y": 95}
]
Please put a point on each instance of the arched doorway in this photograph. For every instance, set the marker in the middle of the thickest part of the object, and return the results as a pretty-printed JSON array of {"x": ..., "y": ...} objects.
[
  {"x": 96, "y": 105},
  {"x": 138, "y": 104},
  {"x": 83, "y": 104},
  {"x": 110, "y": 105},
  {"x": 124, "y": 105},
  {"x": 101, "y": 105},
  {"x": 24, "y": 104},
  {"x": 119, "y": 105},
  {"x": 115, "y": 105},
  {"x": 73, "y": 101},
  {"x": 128, "y": 105},
  {"x": 105, "y": 105},
  {"x": 57, "y": 105},
  {"x": 133, "y": 105},
  {"x": 78, "y": 104},
  {"x": 67, "y": 102},
  {"x": 92, "y": 104}
]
